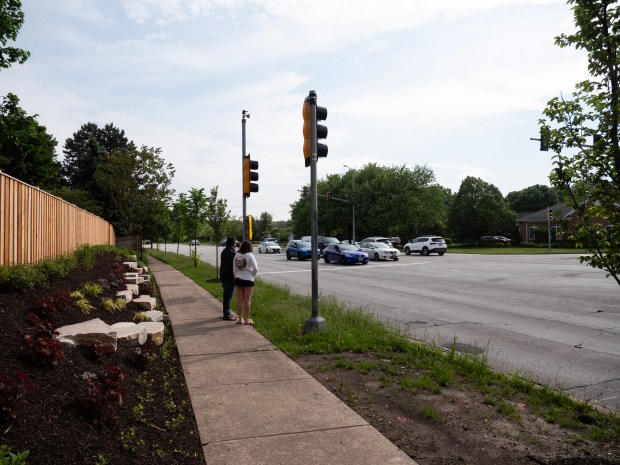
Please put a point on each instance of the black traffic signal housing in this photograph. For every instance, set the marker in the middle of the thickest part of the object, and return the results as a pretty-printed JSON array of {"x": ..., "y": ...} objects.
[
  {"x": 329, "y": 196},
  {"x": 304, "y": 191},
  {"x": 543, "y": 143},
  {"x": 316, "y": 131},
  {"x": 249, "y": 174}
]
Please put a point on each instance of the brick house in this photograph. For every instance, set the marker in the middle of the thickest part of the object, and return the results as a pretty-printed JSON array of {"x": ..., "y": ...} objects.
[{"x": 562, "y": 218}]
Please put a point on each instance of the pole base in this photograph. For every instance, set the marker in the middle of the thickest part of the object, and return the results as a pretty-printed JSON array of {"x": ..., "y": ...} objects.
[{"x": 315, "y": 324}]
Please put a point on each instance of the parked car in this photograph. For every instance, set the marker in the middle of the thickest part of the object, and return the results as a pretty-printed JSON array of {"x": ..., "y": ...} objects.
[
  {"x": 322, "y": 241},
  {"x": 147, "y": 242},
  {"x": 356, "y": 244},
  {"x": 494, "y": 241},
  {"x": 345, "y": 254},
  {"x": 300, "y": 249},
  {"x": 426, "y": 244},
  {"x": 268, "y": 247},
  {"x": 222, "y": 243},
  {"x": 194, "y": 242},
  {"x": 380, "y": 251},
  {"x": 385, "y": 240}
]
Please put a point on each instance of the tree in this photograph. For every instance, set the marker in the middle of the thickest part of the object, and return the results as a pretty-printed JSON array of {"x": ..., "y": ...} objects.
[
  {"x": 389, "y": 201},
  {"x": 588, "y": 174},
  {"x": 88, "y": 149},
  {"x": 27, "y": 151},
  {"x": 11, "y": 20},
  {"x": 196, "y": 212},
  {"x": 136, "y": 187},
  {"x": 479, "y": 209},
  {"x": 217, "y": 214},
  {"x": 264, "y": 225},
  {"x": 533, "y": 198}
]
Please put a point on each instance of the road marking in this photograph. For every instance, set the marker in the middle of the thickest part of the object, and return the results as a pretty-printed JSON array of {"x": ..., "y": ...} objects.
[{"x": 354, "y": 267}]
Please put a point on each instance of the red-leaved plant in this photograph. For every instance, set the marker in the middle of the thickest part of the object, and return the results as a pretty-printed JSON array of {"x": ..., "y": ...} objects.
[
  {"x": 13, "y": 395},
  {"x": 48, "y": 306},
  {"x": 102, "y": 394},
  {"x": 142, "y": 355},
  {"x": 40, "y": 346}
]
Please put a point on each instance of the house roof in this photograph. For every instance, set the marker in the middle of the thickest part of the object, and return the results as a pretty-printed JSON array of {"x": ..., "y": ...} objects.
[{"x": 565, "y": 212}]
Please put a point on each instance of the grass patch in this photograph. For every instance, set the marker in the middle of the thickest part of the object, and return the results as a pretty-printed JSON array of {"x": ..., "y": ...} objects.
[{"x": 397, "y": 361}]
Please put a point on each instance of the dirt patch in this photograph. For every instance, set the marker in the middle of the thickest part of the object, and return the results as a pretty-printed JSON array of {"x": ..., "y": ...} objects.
[{"x": 455, "y": 426}]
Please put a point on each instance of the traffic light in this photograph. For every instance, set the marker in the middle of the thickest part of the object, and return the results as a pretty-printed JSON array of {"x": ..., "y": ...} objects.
[
  {"x": 543, "y": 144},
  {"x": 250, "y": 220},
  {"x": 329, "y": 196},
  {"x": 249, "y": 175},
  {"x": 304, "y": 191},
  {"x": 312, "y": 130}
]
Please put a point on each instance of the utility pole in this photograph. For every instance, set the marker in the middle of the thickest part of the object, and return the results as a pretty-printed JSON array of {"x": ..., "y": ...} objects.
[
  {"x": 244, "y": 115},
  {"x": 352, "y": 200}
]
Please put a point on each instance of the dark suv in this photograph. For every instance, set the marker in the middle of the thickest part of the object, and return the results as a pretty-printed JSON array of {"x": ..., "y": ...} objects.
[{"x": 322, "y": 241}]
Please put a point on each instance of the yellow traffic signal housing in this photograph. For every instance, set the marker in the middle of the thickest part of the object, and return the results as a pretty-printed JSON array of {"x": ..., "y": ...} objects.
[
  {"x": 307, "y": 133},
  {"x": 250, "y": 221},
  {"x": 249, "y": 175}
]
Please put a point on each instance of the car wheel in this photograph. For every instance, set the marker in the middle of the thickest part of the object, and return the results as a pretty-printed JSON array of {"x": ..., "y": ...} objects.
[
  {"x": 326, "y": 259},
  {"x": 376, "y": 257},
  {"x": 343, "y": 260},
  {"x": 259, "y": 250},
  {"x": 440, "y": 253},
  {"x": 288, "y": 256},
  {"x": 365, "y": 263},
  {"x": 407, "y": 251},
  {"x": 395, "y": 258},
  {"x": 424, "y": 252}
]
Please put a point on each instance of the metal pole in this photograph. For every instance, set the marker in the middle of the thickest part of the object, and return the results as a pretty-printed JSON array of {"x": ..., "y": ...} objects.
[
  {"x": 549, "y": 228},
  {"x": 315, "y": 323},
  {"x": 244, "y": 115},
  {"x": 353, "y": 202}
]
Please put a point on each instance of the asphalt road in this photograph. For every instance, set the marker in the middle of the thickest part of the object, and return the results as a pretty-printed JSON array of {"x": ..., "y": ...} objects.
[{"x": 546, "y": 317}]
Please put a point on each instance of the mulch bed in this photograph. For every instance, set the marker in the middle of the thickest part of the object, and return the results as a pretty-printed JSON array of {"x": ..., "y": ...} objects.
[{"x": 60, "y": 421}]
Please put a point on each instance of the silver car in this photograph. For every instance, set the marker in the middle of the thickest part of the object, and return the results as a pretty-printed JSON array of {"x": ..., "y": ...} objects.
[{"x": 380, "y": 251}]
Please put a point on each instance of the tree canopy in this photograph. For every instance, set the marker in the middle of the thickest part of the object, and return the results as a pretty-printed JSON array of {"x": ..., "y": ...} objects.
[
  {"x": 582, "y": 133},
  {"x": 11, "y": 21},
  {"x": 27, "y": 151},
  {"x": 533, "y": 198},
  {"x": 479, "y": 209}
]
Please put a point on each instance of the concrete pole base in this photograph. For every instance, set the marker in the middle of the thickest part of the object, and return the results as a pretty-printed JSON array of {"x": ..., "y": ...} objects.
[{"x": 315, "y": 324}]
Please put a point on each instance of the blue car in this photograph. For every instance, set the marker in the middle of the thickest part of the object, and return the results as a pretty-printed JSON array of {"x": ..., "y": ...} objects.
[
  {"x": 300, "y": 249},
  {"x": 345, "y": 254}
]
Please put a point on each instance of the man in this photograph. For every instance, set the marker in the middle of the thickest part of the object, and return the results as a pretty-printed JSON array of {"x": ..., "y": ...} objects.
[{"x": 227, "y": 277}]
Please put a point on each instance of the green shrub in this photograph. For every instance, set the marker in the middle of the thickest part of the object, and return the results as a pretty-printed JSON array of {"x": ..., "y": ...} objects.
[{"x": 9, "y": 458}]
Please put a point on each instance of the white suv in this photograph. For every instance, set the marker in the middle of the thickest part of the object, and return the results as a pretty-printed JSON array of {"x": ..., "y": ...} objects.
[{"x": 425, "y": 245}]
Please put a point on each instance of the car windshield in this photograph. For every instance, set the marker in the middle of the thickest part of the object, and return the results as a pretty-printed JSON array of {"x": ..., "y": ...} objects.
[
  {"x": 303, "y": 245},
  {"x": 347, "y": 247},
  {"x": 381, "y": 245},
  {"x": 270, "y": 244},
  {"x": 330, "y": 240}
]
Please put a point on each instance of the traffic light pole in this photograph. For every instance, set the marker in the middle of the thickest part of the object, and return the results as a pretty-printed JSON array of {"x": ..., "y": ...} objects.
[
  {"x": 315, "y": 323},
  {"x": 244, "y": 115}
]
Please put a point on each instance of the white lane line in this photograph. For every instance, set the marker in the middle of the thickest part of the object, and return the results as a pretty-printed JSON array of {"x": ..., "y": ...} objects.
[{"x": 354, "y": 267}]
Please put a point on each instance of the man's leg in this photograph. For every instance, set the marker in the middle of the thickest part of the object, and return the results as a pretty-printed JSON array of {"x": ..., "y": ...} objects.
[{"x": 229, "y": 289}]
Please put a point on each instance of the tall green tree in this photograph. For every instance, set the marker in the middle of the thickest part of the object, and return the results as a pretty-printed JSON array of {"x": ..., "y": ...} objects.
[
  {"x": 196, "y": 218},
  {"x": 479, "y": 209},
  {"x": 27, "y": 151},
  {"x": 178, "y": 218},
  {"x": 264, "y": 225},
  {"x": 533, "y": 198},
  {"x": 136, "y": 186},
  {"x": 11, "y": 21},
  {"x": 89, "y": 149},
  {"x": 582, "y": 133},
  {"x": 217, "y": 214}
]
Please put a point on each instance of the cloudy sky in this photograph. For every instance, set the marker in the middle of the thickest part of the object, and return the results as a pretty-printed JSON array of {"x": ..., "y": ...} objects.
[{"x": 457, "y": 85}]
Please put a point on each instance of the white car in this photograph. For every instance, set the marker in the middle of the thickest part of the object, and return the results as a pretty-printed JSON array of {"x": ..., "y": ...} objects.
[
  {"x": 268, "y": 247},
  {"x": 380, "y": 251},
  {"x": 425, "y": 245}
]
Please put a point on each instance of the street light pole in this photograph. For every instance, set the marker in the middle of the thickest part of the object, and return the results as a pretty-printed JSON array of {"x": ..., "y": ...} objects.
[{"x": 352, "y": 200}]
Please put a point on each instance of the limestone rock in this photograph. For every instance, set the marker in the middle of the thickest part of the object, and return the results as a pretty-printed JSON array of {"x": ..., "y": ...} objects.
[
  {"x": 155, "y": 315},
  {"x": 127, "y": 295},
  {"x": 87, "y": 333},
  {"x": 134, "y": 288},
  {"x": 146, "y": 302},
  {"x": 131, "y": 334},
  {"x": 155, "y": 331}
]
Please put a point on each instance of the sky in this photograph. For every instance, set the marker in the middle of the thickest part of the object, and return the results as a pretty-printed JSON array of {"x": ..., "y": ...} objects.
[{"x": 455, "y": 85}]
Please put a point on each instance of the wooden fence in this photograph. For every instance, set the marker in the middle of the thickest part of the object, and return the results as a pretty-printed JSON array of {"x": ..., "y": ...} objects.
[{"x": 35, "y": 225}]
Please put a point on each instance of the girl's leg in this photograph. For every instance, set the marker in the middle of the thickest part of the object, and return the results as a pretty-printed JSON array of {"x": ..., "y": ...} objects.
[
  {"x": 240, "y": 321},
  {"x": 247, "y": 301}
]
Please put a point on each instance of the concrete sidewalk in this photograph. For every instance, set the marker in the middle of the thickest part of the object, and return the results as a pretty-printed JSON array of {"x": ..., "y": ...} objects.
[{"x": 253, "y": 404}]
